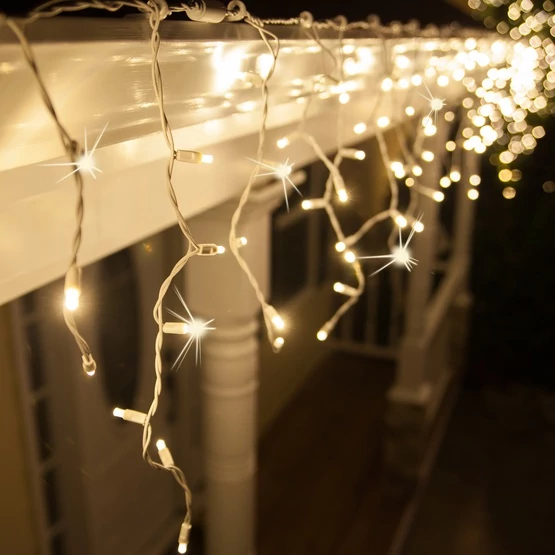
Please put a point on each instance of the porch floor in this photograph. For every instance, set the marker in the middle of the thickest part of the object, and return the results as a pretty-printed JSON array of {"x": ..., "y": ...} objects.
[
  {"x": 492, "y": 489},
  {"x": 321, "y": 489}
]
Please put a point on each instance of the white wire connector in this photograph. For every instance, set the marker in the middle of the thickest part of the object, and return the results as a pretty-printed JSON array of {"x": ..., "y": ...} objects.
[
  {"x": 193, "y": 157},
  {"x": 339, "y": 287},
  {"x": 130, "y": 415},
  {"x": 183, "y": 540},
  {"x": 353, "y": 153},
  {"x": 165, "y": 454},
  {"x": 176, "y": 328},
  {"x": 207, "y": 11},
  {"x": 210, "y": 249},
  {"x": 72, "y": 288}
]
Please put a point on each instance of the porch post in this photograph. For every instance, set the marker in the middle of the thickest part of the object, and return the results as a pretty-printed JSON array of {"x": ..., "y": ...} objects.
[{"x": 217, "y": 288}]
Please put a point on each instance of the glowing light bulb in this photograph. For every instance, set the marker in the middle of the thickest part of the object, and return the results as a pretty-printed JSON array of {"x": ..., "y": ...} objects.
[
  {"x": 118, "y": 413},
  {"x": 349, "y": 256},
  {"x": 160, "y": 444},
  {"x": 360, "y": 128},
  {"x": 416, "y": 80},
  {"x": 342, "y": 195},
  {"x": 427, "y": 155},
  {"x": 409, "y": 181},
  {"x": 387, "y": 84},
  {"x": 455, "y": 176},
  {"x": 182, "y": 548},
  {"x": 283, "y": 142},
  {"x": 450, "y": 146},
  {"x": 418, "y": 226},
  {"x": 473, "y": 194},
  {"x": 417, "y": 170},
  {"x": 360, "y": 155},
  {"x": 220, "y": 249},
  {"x": 475, "y": 180},
  {"x": 207, "y": 158},
  {"x": 340, "y": 247},
  {"x": 442, "y": 81},
  {"x": 72, "y": 295},
  {"x": 344, "y": 98},
  {"x": 383, "y": 121},
  {"x": 445, "y": 182},
  {"x": 279, "y": 342},
  {"x": 242, "y": 241},
  {"x": 438, "y": 196},
  {"x": 322, "y": 335},
  {"x": 410, "y": 111},
  {"x": 430, "y": 130},
  {"x": 401, "y": 221},
  {"x": 509, "y": 192}
]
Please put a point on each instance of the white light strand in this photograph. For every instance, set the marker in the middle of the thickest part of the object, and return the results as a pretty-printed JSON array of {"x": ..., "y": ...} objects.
[{"x": 72, "y": 288}]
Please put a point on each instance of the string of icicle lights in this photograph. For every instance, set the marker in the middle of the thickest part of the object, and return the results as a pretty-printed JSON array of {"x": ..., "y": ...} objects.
[{"x": 463, "y": 59}]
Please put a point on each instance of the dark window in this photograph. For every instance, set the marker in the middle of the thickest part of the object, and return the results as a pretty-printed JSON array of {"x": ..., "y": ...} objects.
[
  {"x": 42, "y": 424},
  {"x": 50, "y": 486},
  {"x": 57, "y": 545},
  {"x": 34, "y": 358},
  {"x": 119, "y": 330}
]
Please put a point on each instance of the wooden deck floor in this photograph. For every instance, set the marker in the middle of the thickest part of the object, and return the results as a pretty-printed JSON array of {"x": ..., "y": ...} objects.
[{"x": 321, "y": 487}]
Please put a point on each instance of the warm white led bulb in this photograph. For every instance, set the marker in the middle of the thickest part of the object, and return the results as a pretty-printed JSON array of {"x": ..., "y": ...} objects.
[
  {"x": 360, "y": 128},
  {"x": 183, "y": 539},
  {"x": 349, "y": 256},
  {"x": 455, "y": 175},
  {"x": 242, "y": 241},
  {"x": 438, "y": 196},
  {"x": 427, "y": 155},
  {"x": 360, "y": 155},
  {"x": 278, "y": 342},
  {"x": 418, "y": 226},
  {"x": 445, "y": 182},
  {"x": 416, "y": 80},
  {"x": 118, "y": 413},
  {"x": 220, "y": 249},
  {"x": 474, "y": 180},
  {"x": 450, "y": 146},
  {"x": 383, "y": 121},
  {"x": 322, "y": 335},
  {"x": 430, "y": 130},
  {"x": 409, "y": 181},
  {"x": 311, "y": 204},
  {"x": 182, "y": 548},
  {"x": 164, "y": 454},
  {"x": 342, "y": 195},
  {"x": 401, "y": 221},
  {"x": 72, "y": 295},
  {"x": 340, "y": 246},
  {"x": 473, "y": 194},
  {"x": 410, "y": 111},
  {"x": 387, "y": 84},
  {"x": 207, "y": 158},
  {"x": 339, "y": 287},
  {"x": 176, "y": 328},
  {"x": 344, "y": 97},
  {"x": 283, "y": 142},
  {"x": 417, "y": 170}
]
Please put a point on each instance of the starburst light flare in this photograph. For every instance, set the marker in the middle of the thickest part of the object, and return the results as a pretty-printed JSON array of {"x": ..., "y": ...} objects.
[
  {"x": 436, "y": 104},
  {"x": 85, "y": 162},
  {"x": 193, "y": 327},
  {"x": 400, "y": 254},
  {"x": 281, "y": 172}
]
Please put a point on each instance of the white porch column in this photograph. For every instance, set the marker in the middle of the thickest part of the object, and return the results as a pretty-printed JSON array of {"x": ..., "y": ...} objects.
[
  {"x": 217, "y": 288},
  {"x": 411, "y": 382}
]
